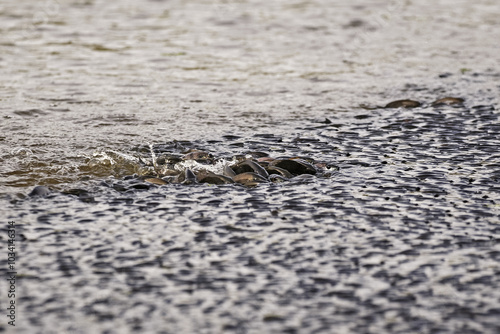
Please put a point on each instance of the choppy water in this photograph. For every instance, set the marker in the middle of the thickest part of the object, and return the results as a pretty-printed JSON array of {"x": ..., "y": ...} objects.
[{"x": 402, "y": 238}]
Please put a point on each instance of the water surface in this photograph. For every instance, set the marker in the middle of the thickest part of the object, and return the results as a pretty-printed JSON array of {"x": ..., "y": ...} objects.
[{"x": 403, "y": 237}]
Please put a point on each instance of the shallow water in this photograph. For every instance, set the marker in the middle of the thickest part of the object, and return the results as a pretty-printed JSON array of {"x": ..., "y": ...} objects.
[{"x": 402, "y": 237}]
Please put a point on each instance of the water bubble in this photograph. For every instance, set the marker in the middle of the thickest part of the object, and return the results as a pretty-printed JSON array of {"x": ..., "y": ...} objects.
[{"x": 21, "y": 151}]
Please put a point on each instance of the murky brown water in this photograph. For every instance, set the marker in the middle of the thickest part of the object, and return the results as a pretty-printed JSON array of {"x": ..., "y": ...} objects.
[{"x": 403, "y": 237}]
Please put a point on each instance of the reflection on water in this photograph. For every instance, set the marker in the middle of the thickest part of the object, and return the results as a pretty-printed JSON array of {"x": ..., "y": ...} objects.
[{"x": 402, "y": 238}]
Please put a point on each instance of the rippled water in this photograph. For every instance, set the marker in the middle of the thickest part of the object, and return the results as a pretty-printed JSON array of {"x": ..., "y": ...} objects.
[{"x": 401, "y": 236}]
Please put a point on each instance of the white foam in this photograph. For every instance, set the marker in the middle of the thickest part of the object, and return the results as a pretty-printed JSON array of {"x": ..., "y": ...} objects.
[{"x": 217, "y": 167}]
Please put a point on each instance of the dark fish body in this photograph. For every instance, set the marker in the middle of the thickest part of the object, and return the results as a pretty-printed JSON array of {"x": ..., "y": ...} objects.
[{"x": 403, "y": 104}]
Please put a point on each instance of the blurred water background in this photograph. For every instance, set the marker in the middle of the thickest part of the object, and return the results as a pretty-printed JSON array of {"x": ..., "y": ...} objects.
[{"x": 403, "y": 238}]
